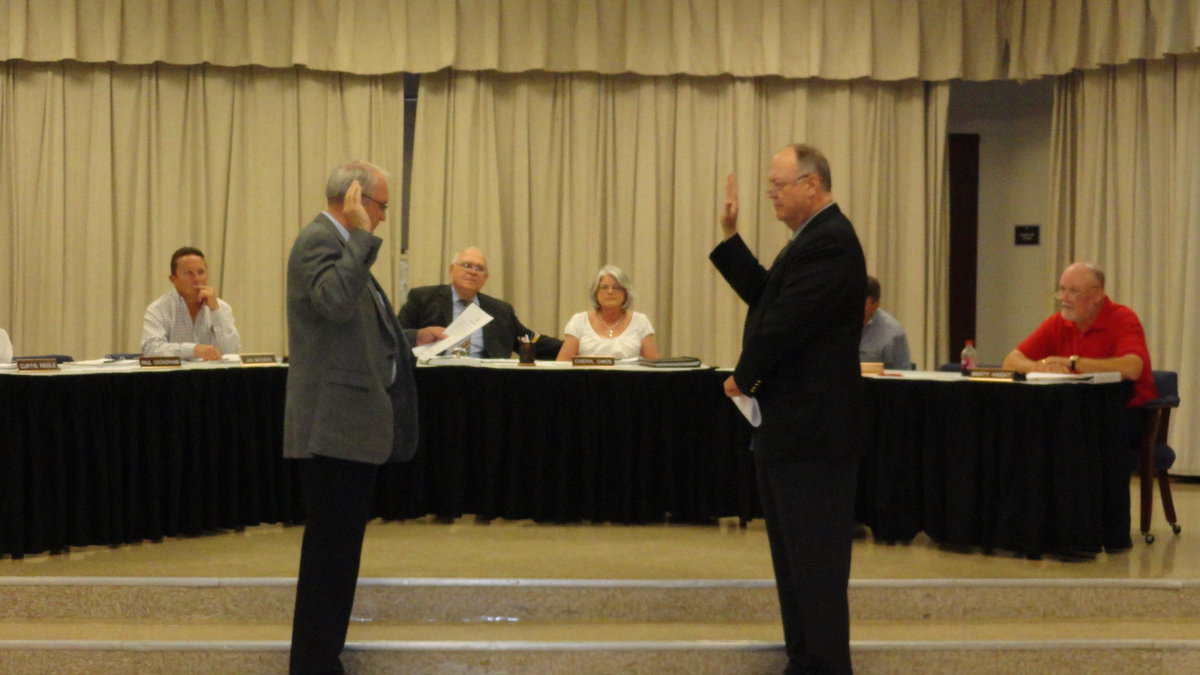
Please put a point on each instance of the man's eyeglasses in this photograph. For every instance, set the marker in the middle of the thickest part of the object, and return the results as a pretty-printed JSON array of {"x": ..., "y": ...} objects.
[
  {"x": 382, "y": 205},
  {"x": 776, "y": 188},
  {"x": 472, "y": 267},
  {"x": 1072, "y": 293}
]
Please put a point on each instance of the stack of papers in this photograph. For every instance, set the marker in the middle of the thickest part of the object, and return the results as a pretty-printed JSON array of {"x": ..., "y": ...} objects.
[
  {"x": 471, "y": 320},
  {"x": 1097, "y": 378}
]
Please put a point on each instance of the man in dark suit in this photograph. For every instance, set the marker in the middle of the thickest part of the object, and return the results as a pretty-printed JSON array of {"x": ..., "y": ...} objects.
[
  {"x": 351, "y": 401},
  {"x": 799, "y": 361},
  {"x": 437, "y": 306}
]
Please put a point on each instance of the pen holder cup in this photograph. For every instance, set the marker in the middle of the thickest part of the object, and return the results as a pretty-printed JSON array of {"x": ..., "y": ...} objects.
[{"x": 526, "y": 354}]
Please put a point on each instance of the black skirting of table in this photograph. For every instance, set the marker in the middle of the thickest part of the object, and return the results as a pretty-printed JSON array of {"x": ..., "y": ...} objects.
[{"x": 121, "y": 457}]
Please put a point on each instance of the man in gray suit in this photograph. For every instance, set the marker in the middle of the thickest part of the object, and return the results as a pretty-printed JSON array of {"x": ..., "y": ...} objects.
[{"x": 351, "y": 401}]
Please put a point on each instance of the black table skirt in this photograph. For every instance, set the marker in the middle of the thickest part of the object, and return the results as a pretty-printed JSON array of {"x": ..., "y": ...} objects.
[
  {"x": 1018, "y": 467},
  {"x": 562, "y": 445},
  {"x": 114, "y": 458}
]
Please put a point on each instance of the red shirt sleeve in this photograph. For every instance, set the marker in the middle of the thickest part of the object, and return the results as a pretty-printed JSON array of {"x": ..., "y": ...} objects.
[{"x": 1130, "y": 337}]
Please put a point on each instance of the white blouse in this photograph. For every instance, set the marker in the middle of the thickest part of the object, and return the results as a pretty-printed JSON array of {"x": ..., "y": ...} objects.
[{"x": 623, "y": 346}]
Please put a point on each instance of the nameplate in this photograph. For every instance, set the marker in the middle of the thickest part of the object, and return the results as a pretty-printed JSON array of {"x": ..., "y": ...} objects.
[
  {"x": 592, "y": 361},
  {"x": 258, "y": 359},
  {"x": 37, "y": 365},
  {"x": 159, "y": 361},
  {"x": 991, "y": 374},
  {"x": 870, "y": 368}
]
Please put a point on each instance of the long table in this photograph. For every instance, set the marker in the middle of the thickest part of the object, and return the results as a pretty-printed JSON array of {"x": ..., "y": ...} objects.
[{"x": 115, "y": 457}]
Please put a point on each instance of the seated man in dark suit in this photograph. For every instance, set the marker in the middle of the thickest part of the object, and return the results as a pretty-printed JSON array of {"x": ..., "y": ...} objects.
[{"x": 438, "y": 306}]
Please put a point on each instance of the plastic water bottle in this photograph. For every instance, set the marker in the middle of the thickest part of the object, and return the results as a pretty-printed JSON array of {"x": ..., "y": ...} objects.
[{"x": 968, "y": 357}]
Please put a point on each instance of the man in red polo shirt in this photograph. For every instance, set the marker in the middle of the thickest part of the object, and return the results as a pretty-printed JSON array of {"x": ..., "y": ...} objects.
[{"x": 1090, "y": 334}]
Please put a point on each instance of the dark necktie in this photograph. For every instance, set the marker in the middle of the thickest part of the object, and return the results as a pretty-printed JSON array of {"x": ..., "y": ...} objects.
[{"x": 466, "y": 344}]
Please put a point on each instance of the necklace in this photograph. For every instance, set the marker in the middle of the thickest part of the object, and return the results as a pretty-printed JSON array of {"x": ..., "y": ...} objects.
[{"x": 611, "y": 326}]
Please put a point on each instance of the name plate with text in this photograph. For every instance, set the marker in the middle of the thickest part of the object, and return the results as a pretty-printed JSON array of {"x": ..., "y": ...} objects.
[
  {"x": 994, "y": 374},
  {"x": 159, "y": 361},
  {"x": 592, "y": 361},
  {"x": 258, "y": 359},
  {"x": 37, "y": 365}
]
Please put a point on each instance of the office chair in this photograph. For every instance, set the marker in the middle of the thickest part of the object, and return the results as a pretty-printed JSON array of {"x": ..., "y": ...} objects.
[{"x": 1155, "y": 456}]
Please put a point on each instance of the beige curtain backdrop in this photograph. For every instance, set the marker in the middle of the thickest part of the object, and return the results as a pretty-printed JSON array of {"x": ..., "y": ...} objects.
[
  {"x": 557, "y": 175},
  {"x": 832, "y": 39},
  {"x": 1126, "y": 143},
  {"x": 105, "y": 170}
]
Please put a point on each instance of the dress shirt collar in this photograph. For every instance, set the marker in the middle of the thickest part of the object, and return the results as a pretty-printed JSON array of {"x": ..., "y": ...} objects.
[
  {"x": 341, "y": 228},
  {"x": 810, "y": 219},
  {"x": 182, "y": 302},
  {"x": 457, "y": 303}
]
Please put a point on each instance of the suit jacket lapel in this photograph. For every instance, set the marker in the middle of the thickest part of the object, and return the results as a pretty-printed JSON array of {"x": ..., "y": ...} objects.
[
  {"x": 445, "y": 306},
  {"x": 382, "y": 308}
]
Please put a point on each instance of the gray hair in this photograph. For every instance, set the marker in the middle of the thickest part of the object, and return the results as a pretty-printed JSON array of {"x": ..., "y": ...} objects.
[
  {"x": 812, "y": 160},
  {"x": 341, "y": 177},
  {"x": 622, "y": 280}
]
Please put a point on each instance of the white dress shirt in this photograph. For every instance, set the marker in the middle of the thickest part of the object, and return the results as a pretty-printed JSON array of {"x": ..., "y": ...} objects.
[{"x": 168, "y": 329}]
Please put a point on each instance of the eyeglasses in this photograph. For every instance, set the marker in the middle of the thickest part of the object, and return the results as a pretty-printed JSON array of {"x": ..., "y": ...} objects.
[
  {"x": 1072, "y": 293},
  {"x": 382, "y": 205},
  {"x": 606, "y": 287},
  {"x": 480, "y": 269},
  {"x": 776, "y": 188}
]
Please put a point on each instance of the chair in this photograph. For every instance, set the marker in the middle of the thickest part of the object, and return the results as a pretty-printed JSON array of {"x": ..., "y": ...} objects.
[{"x": 1155, "y": 456}]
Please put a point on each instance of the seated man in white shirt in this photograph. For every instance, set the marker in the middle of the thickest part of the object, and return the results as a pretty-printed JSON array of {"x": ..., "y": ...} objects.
[
  {"x": 190, "y": 322},
  {"x": 6, "y": 348}
]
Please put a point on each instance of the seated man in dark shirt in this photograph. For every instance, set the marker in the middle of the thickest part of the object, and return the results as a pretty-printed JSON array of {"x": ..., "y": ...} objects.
[{"x": 439, "y": 305}]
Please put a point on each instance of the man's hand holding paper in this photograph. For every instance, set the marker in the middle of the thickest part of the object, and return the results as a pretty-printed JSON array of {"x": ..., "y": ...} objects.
[{"x": 472, "y": 319}]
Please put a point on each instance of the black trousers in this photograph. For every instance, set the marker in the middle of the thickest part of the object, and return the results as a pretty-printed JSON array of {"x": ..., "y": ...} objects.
[
  {"x": 337, "y": 496},
  {"x": 809, "y": 509}
]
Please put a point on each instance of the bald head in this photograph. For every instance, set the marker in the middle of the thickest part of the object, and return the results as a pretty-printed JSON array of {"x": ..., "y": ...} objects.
[
  {"x": 469, "y": 272},
  {"x": 1083, "y": 269}
]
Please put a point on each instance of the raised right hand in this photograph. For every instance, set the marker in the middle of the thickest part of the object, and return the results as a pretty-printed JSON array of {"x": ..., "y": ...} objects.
[
  {"x": 352, "y": 207},
  {"x": 729, "y": 214}
]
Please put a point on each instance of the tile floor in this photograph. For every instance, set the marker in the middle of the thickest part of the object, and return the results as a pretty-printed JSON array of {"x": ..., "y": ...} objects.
[{"x": 523, "y": 549}]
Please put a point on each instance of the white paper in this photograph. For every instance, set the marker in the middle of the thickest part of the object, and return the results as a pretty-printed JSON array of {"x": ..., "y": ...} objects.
[
  {"x": 748, "y": 406},
  {"x": 471, "y": 320},
  {"x": 1104, "y": 377}
]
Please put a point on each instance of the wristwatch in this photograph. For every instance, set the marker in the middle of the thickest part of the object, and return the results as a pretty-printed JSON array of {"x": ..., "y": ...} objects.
[{"x": 1074, "y": 363}]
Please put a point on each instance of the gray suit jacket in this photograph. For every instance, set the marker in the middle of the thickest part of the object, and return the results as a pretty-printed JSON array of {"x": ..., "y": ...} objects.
[{"x": 343, "y": 341}]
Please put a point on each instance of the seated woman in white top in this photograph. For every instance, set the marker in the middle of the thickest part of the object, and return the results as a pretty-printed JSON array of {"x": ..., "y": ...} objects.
[
  {"x": 6, "y": 348},
  {"x": 609, "y": 328}
]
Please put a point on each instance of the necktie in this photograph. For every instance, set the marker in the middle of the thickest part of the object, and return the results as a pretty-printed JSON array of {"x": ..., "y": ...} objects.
[{"x": 465, "y": 344}]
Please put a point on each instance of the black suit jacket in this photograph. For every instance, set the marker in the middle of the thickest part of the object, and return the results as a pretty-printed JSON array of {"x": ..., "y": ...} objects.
[
  {"x": 431, "y": 306},
  {"x": 800, "y": 343}
]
